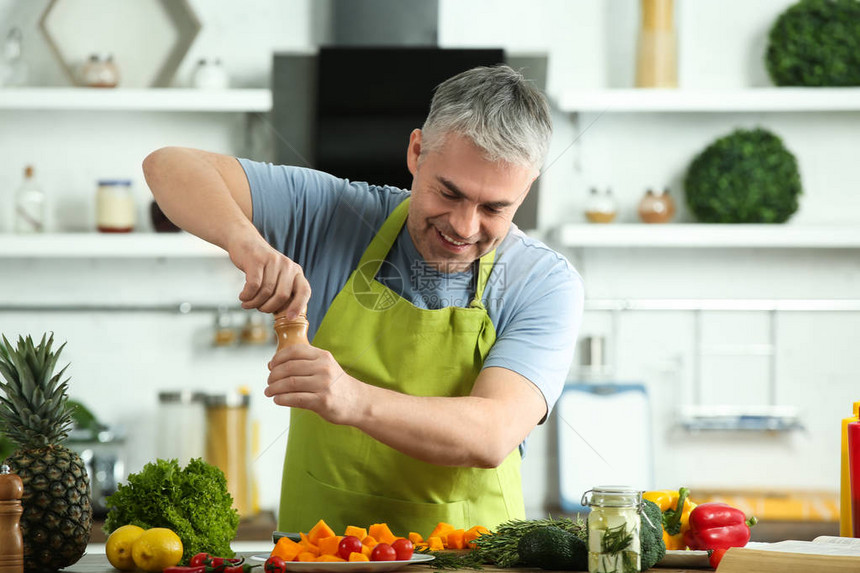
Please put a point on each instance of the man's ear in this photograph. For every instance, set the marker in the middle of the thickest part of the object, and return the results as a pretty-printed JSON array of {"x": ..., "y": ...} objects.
[{"x": 413, "y": 152}]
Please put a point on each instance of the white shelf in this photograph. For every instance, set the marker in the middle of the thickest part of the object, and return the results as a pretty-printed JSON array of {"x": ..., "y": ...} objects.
[
  {"x": 120, "y": 99},
  {"x": 740, "y": 100},
  {"x": 708, "y": 235},
  {"x": 106, "y": 245}
]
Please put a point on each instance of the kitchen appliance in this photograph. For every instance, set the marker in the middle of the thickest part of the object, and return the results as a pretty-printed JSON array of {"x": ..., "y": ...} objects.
[
  {"x": 103, "y": 454},
  {"x": 604, "y": 437}
]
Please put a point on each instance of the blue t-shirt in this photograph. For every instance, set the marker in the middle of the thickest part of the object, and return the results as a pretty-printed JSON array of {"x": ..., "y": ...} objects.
[{"x": 534, "y": 296}]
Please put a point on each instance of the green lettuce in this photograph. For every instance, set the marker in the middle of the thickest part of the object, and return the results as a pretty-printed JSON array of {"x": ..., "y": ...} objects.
[{"x": 192, "y": 501}]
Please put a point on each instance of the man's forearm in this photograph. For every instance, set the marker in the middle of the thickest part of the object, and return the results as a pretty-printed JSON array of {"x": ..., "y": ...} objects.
[{"x": 193, "y": 193}]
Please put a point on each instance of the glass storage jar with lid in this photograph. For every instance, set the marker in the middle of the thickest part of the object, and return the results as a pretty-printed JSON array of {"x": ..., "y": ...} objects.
[
  {"x": 115, "y": 209},
  {"x": 613, "y": 529}
]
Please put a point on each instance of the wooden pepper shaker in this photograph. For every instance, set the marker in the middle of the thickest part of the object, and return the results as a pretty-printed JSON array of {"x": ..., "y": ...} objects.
[
  {"x": 11, "y": 540},
  {"x": 290, "y": 332}
]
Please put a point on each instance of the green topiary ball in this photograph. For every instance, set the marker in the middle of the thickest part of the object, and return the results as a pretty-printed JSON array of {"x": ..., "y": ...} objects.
[
  {"x": 816, "y": 43},
  {"x": 747, "y": 176}
]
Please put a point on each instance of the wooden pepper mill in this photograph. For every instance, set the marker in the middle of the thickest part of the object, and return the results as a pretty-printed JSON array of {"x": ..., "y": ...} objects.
[
  {"x": 290, "y": 332},
  {"x": 11, "y": 539}
]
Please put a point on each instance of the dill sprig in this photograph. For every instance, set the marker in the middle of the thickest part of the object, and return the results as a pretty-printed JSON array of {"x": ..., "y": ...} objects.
[{"x": 616, "y": 539}]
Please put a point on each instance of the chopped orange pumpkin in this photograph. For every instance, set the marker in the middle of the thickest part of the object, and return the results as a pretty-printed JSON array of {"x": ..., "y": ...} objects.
[
  {"x": 306, "y": 556},
  {"x": 309, "y": 546},
  {"x": 415, "y": 538},
  {"x": 455, "y": 539},
  {"x": 422, "y": 545},
  {"x": 330, "y": 558},
  {"x": 318, "y": 531},
  {"x": 473, "y": 533},
  {"x": 287, "y": 549},
  {"x": 435, "y": 543},
  {"x": 441, "y": 531},
  {"x": 358, "y": 557},
  {"x": 370, "y": 541},
  {"x": 328, "y": 545},
  {"x": 366, "y": 550},
  {"x": 359, "y": 532},
  {"x": 381, "y": 533}
]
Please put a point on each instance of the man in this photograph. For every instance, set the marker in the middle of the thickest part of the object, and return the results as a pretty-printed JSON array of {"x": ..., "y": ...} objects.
[{"x": 441, "y": 334}]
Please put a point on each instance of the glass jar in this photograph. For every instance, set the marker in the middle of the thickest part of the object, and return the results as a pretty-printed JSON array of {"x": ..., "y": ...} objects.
[
  {"x": 613, "y": 529},
  {"x": 255, "y": 330},
  {"x": 181, "y": 413},
  {"x": 291, "y": 332},
  {"x": 600, "y": 207},
  {"x": 115, "y": 210},
  {"x": 100, "y": 71},
  {"x": 209, "y": 74},
  {"x": 656, "y": 208}
]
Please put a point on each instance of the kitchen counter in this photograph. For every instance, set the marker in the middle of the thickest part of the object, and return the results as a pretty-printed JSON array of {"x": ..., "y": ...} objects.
[{"x": 95, "y": 561}]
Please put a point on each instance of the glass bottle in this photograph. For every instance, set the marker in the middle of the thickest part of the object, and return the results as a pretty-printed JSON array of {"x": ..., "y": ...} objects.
[
  {"x": 290, "y": 332},
  {"x": 613, "y": 529},
  {"x": 29, "y": 205},
  {"x": 14, "y": 71}
]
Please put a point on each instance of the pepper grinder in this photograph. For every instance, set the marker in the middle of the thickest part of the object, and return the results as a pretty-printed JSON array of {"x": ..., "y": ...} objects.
[
  {"x": 11, "y": 539},
  {"x": 290, "y": 332}
]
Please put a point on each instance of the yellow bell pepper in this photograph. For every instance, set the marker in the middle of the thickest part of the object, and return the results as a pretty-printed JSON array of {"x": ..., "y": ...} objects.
[{"x": 676, "y": 507}]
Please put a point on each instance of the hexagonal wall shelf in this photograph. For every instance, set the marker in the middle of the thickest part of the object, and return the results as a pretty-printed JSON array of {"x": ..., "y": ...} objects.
[{"x": 147, "y": 38}]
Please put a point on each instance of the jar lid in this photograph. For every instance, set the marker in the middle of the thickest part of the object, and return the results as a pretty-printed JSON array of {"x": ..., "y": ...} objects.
[
  {"x": 229, "y": 399},
  {"x": 181, "y": 397},
  {"x": 612, "y": 496},
  {"x": 115, "y": 182}
]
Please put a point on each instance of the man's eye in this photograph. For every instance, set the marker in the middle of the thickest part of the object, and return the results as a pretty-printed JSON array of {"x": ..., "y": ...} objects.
[
  {"x": 448, "y": 196},
  {"x": 492, "y": 210}
]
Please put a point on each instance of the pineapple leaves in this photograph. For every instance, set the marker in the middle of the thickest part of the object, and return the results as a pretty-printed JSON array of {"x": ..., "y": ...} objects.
[{"x": 34, "y": 410}]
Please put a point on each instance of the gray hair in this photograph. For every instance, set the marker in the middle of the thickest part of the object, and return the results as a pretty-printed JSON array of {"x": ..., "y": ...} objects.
[{"x": 499, "y": 110}]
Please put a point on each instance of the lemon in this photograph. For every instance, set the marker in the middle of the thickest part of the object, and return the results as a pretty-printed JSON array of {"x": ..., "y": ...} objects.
[
  {"x": 156, "y": 549},
  {"x": 118, "y": 546}
]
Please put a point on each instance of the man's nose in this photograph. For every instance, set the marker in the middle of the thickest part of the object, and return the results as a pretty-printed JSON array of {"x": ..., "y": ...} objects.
[{"x": 465, "y": 221}]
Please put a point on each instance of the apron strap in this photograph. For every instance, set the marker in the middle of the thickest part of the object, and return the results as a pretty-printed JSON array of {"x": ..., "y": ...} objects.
[
  {"x": 485, "y": 267},
  {"x": 381, "y": 244}
]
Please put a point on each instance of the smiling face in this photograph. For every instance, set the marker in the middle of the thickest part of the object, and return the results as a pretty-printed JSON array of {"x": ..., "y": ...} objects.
[{"x": 462, "y": 204}]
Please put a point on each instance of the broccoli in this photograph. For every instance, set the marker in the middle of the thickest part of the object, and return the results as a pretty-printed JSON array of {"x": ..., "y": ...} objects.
[
  {"x": 651, "y": 543},
  {"x": 553, "y": 548}
]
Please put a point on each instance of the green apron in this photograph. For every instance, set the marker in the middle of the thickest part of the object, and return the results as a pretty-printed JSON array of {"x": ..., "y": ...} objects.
[{"x": 339, "y": 473}]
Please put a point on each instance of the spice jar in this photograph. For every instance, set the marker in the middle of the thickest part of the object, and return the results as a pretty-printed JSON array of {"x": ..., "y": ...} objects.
[
  {"x": 601, "y": 207},
  {"x": 225, "y": 334},
  {"x": 115, "y": 209},
  {"x": 255, "y": 330},
  {"x": 613, "y": 529},
  {"x": 656, "y": 208},
  {"x": 291, "y": 331},
  {"x": 100, "y": 71}
]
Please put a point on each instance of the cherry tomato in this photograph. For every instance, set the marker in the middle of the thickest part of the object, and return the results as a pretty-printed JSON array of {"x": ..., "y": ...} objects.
[
  {"x": 275, "y": 564},
  {"x": 347, "y": 545},
  {"x": 403, "y": 549},
  {"x": 715, "y": 556},
  {"x": 199, "y": 559},
  {"x": 383, "y": 552}
]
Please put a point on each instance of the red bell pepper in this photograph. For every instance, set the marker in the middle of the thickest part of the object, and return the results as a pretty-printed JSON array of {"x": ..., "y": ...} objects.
[{"x": 718, "y": 526}]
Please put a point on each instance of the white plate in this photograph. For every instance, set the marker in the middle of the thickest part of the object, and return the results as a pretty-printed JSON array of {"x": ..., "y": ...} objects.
[
  {"x": 685, "y": 558},
  {"x": 350, "y": 566}
]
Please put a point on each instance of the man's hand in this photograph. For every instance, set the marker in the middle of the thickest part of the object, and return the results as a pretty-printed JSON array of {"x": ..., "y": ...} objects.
[
  {"x": 273, "y": 282},
  {"x": 306, "y": 377}
]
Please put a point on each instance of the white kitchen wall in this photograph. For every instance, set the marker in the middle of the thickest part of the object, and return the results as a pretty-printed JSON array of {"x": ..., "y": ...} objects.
[{"x": 121, "y": 360}]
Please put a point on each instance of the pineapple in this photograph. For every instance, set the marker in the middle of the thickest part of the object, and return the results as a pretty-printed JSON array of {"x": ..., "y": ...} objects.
[{"x": 34, "y": 414}]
